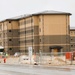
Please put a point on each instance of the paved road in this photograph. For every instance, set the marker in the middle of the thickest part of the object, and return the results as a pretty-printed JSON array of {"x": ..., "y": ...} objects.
[{"x": 32, "y": 70}]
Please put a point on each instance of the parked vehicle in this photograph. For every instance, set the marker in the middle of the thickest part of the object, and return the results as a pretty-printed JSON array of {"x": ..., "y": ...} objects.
[{"x": 17, "y": 54}]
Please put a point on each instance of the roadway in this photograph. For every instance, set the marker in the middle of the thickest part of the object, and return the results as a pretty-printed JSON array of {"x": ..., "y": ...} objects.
[{"x": 33, "y": 70}]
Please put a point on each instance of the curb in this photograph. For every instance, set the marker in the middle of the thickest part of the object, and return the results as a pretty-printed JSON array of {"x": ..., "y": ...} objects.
[{"x": 69, "y": 67}]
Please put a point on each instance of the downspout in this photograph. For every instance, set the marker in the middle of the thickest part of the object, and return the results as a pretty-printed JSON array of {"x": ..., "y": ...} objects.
[
  {"x": 3, "y": 36},
  {"x": 32, "y": 31},
  {"x": 12, "y": 37},
  {"x": 43, "y": 31},
  {"x": 69, "y": 32},
  {"x": 67, "y": 29},
  {"x": 25, "y": 34}
]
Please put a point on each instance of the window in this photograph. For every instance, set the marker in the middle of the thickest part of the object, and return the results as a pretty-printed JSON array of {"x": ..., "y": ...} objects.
[
  {"x": 21, "y": 23},
  {"x": 9, "y": 30},
  {"x": 32, "y": 30},
  {"x": 0, "y": 27},
  {"x": 40, "y": 40},
  {"x": 10, "y": 48},
  {"x": 24, "y": 22},
  {"x": 18, "y": 32},
  {"x": 19, "y": 41},
  {"x": 27, "y": 21},
  {"x": 25, "y": 41},
  {"x": 0, "y": 43},
  {"x": 9, "y": 21},
  {"x": 31, "y": 20},
  {"x": 18, "y": 23},
  {"x": 0, "y": 35},
  {"x": 32, "y": 40},
  {"x": 74, "y": 32},
  {"x": 40, "y": 29},
  {"x": 39, "y": 19},
  {"x": 71, "y": 32},
  {"x": 71, "y": 45},
  {"x": 25, "y": 31},
  {"x": 10, "y": 39}
]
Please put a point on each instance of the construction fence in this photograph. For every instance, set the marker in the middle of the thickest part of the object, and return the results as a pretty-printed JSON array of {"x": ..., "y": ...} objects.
[{"x": 59, "y": 58}]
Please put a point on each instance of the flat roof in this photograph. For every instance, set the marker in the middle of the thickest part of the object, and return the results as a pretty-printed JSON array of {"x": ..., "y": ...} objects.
[
  {"x": 72, "y": 28},
  {"x": 51, "y": 12}
]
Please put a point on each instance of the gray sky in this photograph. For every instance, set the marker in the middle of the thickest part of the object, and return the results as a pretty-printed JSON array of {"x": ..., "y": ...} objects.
[{"x": 12, "y": 8}]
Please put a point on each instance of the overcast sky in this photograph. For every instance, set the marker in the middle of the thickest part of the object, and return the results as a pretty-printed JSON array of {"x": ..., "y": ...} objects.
[{"x": 12, "y": 8}]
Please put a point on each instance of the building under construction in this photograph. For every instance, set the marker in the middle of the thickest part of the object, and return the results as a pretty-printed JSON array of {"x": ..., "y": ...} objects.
[{"x": 47, "y": 31}]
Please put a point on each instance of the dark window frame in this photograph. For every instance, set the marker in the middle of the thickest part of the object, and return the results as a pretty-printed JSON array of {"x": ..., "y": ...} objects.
[
  {"x": 9, "y": 21},
  {"x": 10, "y": 30},
  {"x": 10, "y": 39},
  {"x": 10, "y": 48},
  {"x": 40, "y": 40}
]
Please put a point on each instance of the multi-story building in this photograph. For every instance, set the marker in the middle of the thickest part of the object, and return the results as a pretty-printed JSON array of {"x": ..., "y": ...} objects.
[
  {"x": 46, "y": 31},
  {"x": 9, "y": 36},
  {"x": 72, "y": 38}
]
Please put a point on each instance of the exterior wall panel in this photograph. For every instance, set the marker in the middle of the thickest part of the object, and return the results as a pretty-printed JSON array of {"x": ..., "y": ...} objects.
[{"x": 72, "y": 39}]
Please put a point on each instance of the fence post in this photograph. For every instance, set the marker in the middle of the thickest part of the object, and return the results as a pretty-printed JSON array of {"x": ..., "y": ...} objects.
[
  {"x": 40, "y": 58},
  {"x": 71, "y": 58}
]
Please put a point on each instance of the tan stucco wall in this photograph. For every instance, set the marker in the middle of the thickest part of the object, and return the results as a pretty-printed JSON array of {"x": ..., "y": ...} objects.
[
  {"x": 15, "y": 25},
  {"x": 54, "y": 25}
]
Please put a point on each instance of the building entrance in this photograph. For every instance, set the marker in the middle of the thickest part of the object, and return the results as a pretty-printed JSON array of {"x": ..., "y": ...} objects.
[{"x": 55, "y": 49}]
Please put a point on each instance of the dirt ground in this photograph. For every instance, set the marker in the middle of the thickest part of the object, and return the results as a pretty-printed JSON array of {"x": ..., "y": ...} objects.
[{"x": 54, "y": 61}]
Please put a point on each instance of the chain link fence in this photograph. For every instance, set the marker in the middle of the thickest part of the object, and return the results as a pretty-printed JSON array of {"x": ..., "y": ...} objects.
[
  {"x": 50, "y": 58},
  {"x": 58, "y": 58}
]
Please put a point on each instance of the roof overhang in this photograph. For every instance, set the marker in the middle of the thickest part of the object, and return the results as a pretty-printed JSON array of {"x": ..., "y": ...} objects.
[
  {"x": 55, "y": 47},
  {"x": 1, "y": 48}
]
